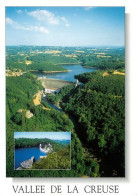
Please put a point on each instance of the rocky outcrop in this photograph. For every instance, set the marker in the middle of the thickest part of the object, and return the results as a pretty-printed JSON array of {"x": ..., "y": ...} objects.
[
  {"x": 28, "y": 114},
  {"x": 19, "y": 168},
  {"x": 43, "y": 157},
  {"x": 28, "y": 163},
  {"x": 46, "y": 148}
]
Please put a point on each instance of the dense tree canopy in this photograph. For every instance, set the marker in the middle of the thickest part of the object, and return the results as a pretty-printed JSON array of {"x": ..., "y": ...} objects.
[
  {"x": 28, "y": 142},
  {"x": 19, "y": 96},
  {"x": 56, "y": 160},
  {"x": 93, "y": 111},
  {"x": 49, "y": 58},
  {"x": 98, "y": 107}
]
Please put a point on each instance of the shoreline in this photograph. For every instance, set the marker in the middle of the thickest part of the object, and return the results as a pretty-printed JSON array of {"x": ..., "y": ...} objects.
[
  {"x": 91, "y": 67},
  {"x": 69, "y": 63},
  {"x": 56, "y": 71}
]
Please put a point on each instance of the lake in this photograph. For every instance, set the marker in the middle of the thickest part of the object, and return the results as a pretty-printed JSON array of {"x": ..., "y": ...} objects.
[
  {"x": 23, "y": 154},
  {"x": 69, "y": 76}
]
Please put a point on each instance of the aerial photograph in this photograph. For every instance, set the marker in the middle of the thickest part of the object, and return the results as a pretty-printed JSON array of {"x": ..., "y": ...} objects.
[{"x": 65, "y": 92}]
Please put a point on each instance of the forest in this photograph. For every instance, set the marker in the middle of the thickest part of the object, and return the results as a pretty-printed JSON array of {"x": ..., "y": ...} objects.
[
  {"x": 111, "y": 59},
  {"x": 20, "y": 92},
  {"x": 27, "y": 142},
  {"x": 57, "y": 160},
  {"x": 27, "y": 58},
  {"x": 94, "y": 111},
  {"x": 98, "y": 108},
  {"x": 37, "y": 61}
]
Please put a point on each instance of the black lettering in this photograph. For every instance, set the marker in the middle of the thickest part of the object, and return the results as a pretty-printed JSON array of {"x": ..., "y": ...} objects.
[
  {"x": 56, "y": 189},
  {"x": 116, "y": 189},
  {"x": 86, "y": 188},
  {"x": 15, "y": 190},
  {"x": 93, "y": 189},
  {"x": 42, "y": 189},
  {"x": 21, "y": 190},
  {"x": 111, "y": 189}
]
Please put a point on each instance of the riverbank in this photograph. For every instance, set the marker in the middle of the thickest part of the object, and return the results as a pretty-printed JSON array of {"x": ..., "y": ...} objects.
[
  {"x": 69, "y": 76},
  {"x": 24, "y": 154},
  {"x": 56, "y": 107},
  {"x": 51, "y": 71},
  {"x": 91, "y": 67},
  {"x": 69, "y": 63}
]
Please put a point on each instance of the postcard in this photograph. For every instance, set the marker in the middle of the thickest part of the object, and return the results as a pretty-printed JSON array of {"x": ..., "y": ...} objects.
[{"x": 65, "y": 92}]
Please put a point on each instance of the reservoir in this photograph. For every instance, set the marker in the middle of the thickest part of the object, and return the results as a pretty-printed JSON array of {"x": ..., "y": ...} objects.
[
  {"x": 69, "y": 76},
  {"x": 23, "y": 154}
]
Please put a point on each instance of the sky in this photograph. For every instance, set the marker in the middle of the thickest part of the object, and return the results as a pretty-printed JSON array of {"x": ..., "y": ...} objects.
[
  {"x": 65, "y": 26},
  {"x": 50, "y": 135}
]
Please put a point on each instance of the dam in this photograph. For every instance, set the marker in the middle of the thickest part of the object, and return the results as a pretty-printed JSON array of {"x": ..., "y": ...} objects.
[{"x": 54, "y": 84}]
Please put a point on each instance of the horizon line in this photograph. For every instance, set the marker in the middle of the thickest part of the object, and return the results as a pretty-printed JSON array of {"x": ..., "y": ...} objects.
[
  {"x": 39, "y": 138},
  {"x": 66, "y": 46}
]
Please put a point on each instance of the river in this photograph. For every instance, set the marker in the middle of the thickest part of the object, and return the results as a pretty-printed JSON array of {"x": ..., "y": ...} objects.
[
  {"x": 75, "y": 69},
  {"x": 23, "y": 154},
  {"x": 68, "y": 76},
  {"x": 51, "y": 105}
]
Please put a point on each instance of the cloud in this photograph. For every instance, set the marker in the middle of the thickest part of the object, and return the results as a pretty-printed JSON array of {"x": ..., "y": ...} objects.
[
  {"x": 19, "y": 11},
  {"x": 45, "y": 16},
  {"x": 39, "y": 29},
  {"x": 48, "y": 17},
  {"x": 27, "y": 28},
  {"x": 65, "y": 21},
  {"x": 88, "y": 8},
  {"x": 9, "y": 21}
]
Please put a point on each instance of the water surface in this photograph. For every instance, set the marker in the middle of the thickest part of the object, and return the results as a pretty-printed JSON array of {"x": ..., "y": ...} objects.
[
  {"x": 69, "y": 76},
  {"x": 23, "y": 154}
]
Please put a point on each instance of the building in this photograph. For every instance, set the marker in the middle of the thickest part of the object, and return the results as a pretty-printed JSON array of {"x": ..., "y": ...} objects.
[{"x": 49, "y": 90}]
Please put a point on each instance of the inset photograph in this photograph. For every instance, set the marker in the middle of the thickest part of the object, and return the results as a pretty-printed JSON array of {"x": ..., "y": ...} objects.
[{"x": 42, "y": 150}]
